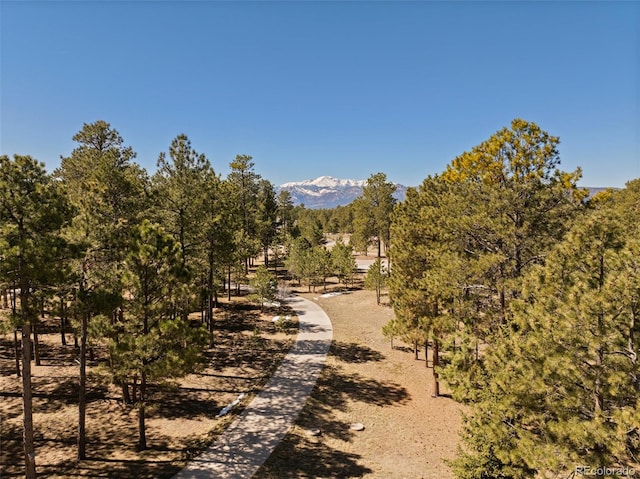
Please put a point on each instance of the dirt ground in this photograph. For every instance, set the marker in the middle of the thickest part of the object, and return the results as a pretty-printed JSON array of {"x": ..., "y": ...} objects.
[
  {"x": 247, "y": 348},
  {"x": 408, "y": 434}
]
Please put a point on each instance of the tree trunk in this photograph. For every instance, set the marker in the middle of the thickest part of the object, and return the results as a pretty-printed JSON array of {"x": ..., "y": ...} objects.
[
  {"x": 210, "y": 293},
  {"x": 16, "y": 347},
  {"x": 27, "y": 402},
  {"x": 415, "y": 350},
  {"x": 126, "y": 397},
  {"x": 275, "y": 261},
  {"x": 82, "y": 395},
  {"x": 36, "y": 345},
  {"x": 435, "y": 351},
  {"x": 426, "y": 353},
  {"x": 63, "y": 324},
  {"x": 142, "y": 442},
  {"x": 134, "y": 390},
  {"x": 13, "y": 300},
  {"x": 229, "y": 282}
]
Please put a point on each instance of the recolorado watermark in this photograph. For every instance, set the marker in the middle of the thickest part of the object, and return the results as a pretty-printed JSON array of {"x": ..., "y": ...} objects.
[{"x": 602, "y": 471}]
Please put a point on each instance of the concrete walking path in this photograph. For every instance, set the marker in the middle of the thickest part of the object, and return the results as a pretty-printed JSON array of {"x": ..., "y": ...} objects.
[{"x": 247, "y": 443}]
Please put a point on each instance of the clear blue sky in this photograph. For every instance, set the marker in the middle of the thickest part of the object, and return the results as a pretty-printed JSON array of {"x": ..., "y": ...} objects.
[{"x": 345, "y": 89}]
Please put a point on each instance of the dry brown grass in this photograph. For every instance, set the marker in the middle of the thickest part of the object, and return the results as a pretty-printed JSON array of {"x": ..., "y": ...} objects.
[
  {"x": 246, "y": 350},
  {"x": 408, "y": 434}
]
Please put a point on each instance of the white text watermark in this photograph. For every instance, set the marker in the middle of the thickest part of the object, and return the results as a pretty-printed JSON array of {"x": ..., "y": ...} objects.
[{"x": 602, "y": 471}]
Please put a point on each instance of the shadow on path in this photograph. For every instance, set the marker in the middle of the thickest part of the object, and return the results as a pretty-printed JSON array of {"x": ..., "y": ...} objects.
[{"x": 299, "y": 455}]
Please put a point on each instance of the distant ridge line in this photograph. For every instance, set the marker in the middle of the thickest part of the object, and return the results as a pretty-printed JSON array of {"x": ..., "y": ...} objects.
[{"x": 326, "y": 192}]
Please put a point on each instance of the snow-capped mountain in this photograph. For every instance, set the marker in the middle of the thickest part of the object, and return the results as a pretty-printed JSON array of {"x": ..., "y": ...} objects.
[
  {"x": 328, "y": 192},
  {"x": 325, "y": 182}
]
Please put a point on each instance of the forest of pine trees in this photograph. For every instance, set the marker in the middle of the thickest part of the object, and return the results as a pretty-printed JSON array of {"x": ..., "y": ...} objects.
[
  {"x": 529, "y": 295},
  {"x": 526, "y": 291},
  {"x": 128, "y": 255}
]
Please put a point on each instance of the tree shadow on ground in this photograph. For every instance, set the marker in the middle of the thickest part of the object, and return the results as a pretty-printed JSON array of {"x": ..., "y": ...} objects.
[
  {"x": 186, "y": 403},
  {"x": 120, "y": 468},
  {"x": 239, "y": 317},
  {"x": 58, "y": 354},
  {"x": 334, "y": 389},
  {"x": 11, "y": 451},
  {"x": 354, "y": 353},
  {"x": 299, "y": 455},
  {"x": 241, "y": 345}
]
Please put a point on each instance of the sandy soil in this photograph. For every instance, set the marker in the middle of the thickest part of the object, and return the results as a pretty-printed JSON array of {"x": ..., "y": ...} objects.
[
  {"x": 181, "y": 421},
  {"x": 408, "y": 434}
]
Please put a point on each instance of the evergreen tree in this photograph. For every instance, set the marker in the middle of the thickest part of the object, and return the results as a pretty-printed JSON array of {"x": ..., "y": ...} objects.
[
  {"x": 373, "y": 210},
  {"x": 323, "y": 265},
  {"x": 267, "y": 217},
  {"x": 516, "y": 205},
  {"x": 564, "y": 384},
  {"x": 424, "y": 286},
  {"x": 180, "y": 186},
  {"x": 310, "y": 228},
  {"x": 264, "y": 286},
  {"x": 507, "y": 204},
  {"x": 33, "y": 211},
  {"x": 109, "y": 193},
  {"x": 217, "y": 228},
  {"x": 156, "y": 342},
  {"x": 285, "y": 212},
  {"x": 245, "y": 188},
  {"x": 376, "y": 279},
  {"x": 343, "y": 261},
  {"x": 297, "y": 259}
]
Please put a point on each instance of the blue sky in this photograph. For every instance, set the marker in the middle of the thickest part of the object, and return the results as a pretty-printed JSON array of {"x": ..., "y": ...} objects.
[{"x": 345, "y": 89}]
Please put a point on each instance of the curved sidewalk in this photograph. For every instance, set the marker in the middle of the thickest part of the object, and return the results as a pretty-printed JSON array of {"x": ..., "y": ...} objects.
[{"x": 247, "y": 443}]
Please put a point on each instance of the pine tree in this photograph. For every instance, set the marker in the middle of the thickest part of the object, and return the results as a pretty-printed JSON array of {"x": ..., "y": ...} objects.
[
  {"x": 264, "y": 286},
  {"x": 33, "y": 212},
  {"x": 424, "y": 286},
  {"x": 564, "y": 384},
  {"x": 376, "y": 279},
  {"x": 508, "y": 204},
  {"x": 218, "y": 247},
  {"x": 373, "y": 210},
  {"x": 245, "y": 187},
  {"x": 180, "y": 185},
  {"x": 267, "y": 217},
  {"x": 343, "y": 260},
  {"x": 108, "y": 191},
  {"x": 156, "y": 342},
  {"x": 518, "y": 205}
]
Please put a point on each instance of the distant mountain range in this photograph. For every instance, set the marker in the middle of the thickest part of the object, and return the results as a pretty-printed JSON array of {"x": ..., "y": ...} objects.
[{"x": 328, "y": 192}]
